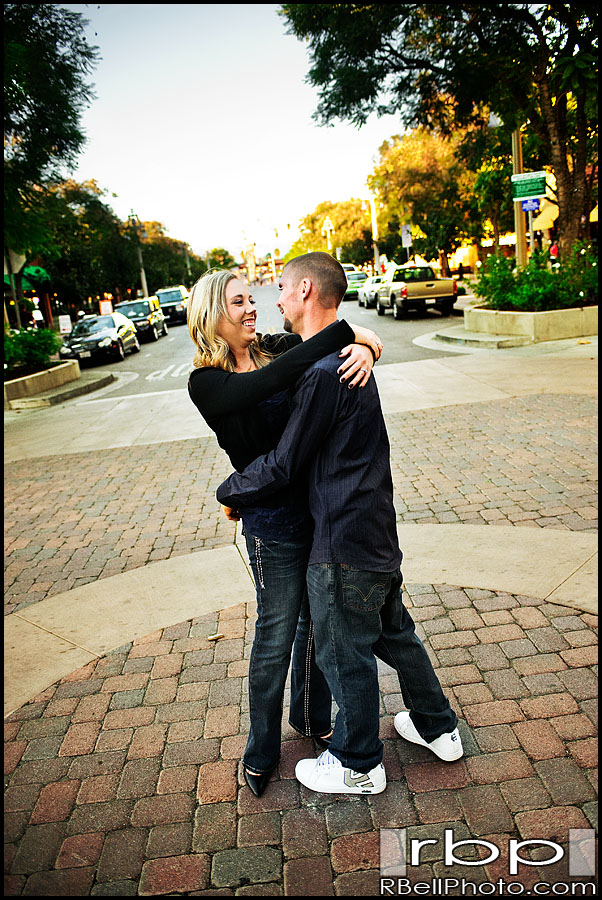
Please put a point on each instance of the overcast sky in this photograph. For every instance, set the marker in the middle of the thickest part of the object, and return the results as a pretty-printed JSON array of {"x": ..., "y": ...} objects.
[{"x": 203, "y": 122}]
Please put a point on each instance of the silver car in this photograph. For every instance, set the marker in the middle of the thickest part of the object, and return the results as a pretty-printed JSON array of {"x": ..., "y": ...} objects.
[{"x": 367, "y": 295}]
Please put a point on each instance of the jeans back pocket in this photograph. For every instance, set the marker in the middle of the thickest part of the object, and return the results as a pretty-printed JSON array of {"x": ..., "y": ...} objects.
[{"x": 364, "y": 591}]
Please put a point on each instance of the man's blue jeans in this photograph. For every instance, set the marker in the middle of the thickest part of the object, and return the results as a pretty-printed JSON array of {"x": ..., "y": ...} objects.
[
  {"x": 280, "y": 570},
  {"x": 357, "y": 616}
]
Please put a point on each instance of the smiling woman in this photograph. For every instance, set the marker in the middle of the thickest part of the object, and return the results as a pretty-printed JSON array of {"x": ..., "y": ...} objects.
[{"x": 221, "y": 322}]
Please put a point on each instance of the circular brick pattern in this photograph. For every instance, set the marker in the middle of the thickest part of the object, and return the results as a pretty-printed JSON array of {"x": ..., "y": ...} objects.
[{"x": 123, "y": 778}]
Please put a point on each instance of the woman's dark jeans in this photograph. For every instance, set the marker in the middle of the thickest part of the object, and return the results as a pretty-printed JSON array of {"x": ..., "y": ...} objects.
[
  {"x": 283, "y": 618},
  {"x": 357, "y": 616}
]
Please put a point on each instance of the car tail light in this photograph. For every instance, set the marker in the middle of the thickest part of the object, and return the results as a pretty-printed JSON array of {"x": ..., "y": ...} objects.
[
  {"x": 455, "y": 287},
  {"x": 404, "y": 292}
]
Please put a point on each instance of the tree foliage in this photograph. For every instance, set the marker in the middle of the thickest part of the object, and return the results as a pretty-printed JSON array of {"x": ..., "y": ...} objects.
[
  {"x": 46, "y": 62},
  {"x": 92, "y": 252},
  {"x": 220, "y": 257},
  {"x": 441, "y": 66},
  {"x": 420, "y": 181},
  {"x": 351, "y": 223}
]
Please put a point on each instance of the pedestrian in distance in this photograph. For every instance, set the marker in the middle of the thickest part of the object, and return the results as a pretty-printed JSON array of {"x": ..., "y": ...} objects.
[
  {"x": 336, "y": 443},
  {"x": 240, "y": 386}
]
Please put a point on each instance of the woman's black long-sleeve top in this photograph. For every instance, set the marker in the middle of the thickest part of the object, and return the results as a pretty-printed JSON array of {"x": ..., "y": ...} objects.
[{"x": 249, "y": 411}]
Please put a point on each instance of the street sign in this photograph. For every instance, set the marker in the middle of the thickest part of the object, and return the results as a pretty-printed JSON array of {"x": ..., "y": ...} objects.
[
  {"x": 528, "y": 185},
  {"x": 531, "y": 205},
  {"x": 406, "y": 235}
]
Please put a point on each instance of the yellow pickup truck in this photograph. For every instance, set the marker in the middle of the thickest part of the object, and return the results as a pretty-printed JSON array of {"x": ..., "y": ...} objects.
[{"x": 415, "y": 287}]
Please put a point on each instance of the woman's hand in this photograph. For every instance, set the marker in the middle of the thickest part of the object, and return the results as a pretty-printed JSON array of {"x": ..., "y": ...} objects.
[
  {"x": 370, "y": 338},
  {"x": 357, "y": 368},
  {"x": 232, "y": 514}
]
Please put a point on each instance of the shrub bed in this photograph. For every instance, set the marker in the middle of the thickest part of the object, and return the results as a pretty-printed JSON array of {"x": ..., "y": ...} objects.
[
  {"x": 29, "y": 351},
  {"x": 538, "y": 287}
]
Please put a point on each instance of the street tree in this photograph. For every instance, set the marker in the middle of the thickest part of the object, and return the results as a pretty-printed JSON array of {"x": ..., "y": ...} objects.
[
  {"x": 420, "y": 181},
  {"x": 533, "y": 65},
  {"x": 165, "y": 258},
  {"x": 95, "y": 254},
  {"x": 350, "y": 220},
  {"x": 46, "y": 62},
  {"x": 221, "y": 258}
]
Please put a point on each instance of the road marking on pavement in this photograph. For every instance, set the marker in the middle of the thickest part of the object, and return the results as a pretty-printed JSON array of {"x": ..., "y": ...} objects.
[
  {"x": 159, "y": 374},
  {"x": 137, "y": 396}
]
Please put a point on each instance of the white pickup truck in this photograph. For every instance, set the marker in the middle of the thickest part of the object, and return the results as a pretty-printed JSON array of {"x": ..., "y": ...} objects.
[{"x": 415, "y": 287}]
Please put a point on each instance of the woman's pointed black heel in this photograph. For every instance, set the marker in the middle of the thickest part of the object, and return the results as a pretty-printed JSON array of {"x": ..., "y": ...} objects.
[
  {"x": 257, "y": 783},
  {"x": 322, "y": 743}
]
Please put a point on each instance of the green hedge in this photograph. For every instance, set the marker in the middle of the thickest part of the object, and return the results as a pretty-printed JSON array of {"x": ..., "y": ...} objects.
[
  {"x": 539, "y": 287},
  {"x": 29, "y": 347}
]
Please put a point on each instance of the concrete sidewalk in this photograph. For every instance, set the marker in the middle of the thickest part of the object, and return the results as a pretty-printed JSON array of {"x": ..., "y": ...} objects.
[{"x": 126, "y": 722}]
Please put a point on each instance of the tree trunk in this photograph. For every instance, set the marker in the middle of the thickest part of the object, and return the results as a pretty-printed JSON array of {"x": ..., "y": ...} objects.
[{"x": 570, "y": 185}]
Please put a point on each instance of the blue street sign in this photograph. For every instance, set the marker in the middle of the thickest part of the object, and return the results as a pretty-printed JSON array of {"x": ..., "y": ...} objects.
[{"x": 531, "y": 205}]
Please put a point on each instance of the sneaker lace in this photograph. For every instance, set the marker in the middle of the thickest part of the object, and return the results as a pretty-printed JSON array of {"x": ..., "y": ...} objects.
[{"x": 326, "y": 759}]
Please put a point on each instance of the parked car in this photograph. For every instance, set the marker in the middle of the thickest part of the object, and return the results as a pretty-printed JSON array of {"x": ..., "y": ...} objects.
[
  {"x": 173, "y": 301},
  {"x": 354, "y": 281},
  {"x": 349, "y": 267},
  {"x": 415, "y": 287},
  {"x": 367, "y": 294},
  {"x": 147, "y": 316},
  {"x": 97, "y": 338}
]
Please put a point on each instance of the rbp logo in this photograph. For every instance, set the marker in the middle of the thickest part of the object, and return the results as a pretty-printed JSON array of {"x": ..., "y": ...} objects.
[{"x": 395, "y": 858}]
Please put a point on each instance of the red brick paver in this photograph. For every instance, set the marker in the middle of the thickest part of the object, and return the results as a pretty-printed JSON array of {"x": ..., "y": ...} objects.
[{"x": 151, "y": 798}]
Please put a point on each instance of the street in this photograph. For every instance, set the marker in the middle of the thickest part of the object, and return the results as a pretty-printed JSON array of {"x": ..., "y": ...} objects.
[{"x": 164, "y": 365}]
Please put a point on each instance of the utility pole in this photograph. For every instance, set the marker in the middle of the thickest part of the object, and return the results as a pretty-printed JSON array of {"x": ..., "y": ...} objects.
[
  {"x": 374, "y": 234},
  {"x": 137, "y": 226},
  {"x": 519, "y": 216}
]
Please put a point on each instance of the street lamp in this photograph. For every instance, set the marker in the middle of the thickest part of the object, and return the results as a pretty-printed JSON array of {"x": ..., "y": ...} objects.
[
  {"x": 328, "y": 231},
  {"x": 138, "y": 227}
]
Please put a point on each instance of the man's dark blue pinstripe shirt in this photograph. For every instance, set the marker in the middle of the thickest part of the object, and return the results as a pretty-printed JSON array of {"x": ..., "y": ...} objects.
[{"x": 336, "y": 440}]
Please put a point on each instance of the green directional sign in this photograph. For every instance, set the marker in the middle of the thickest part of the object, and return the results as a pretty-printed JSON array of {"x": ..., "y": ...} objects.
[{"x": 528, "y": 185}]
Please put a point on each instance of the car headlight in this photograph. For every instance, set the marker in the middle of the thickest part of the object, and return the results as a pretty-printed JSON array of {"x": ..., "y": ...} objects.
[{"x": 106, "y": 342}]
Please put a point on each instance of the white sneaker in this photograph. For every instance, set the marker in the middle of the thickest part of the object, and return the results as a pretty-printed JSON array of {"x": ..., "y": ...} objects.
[
  {"x": 447, "y": 746},
  {"x": 328, "y": 775}
]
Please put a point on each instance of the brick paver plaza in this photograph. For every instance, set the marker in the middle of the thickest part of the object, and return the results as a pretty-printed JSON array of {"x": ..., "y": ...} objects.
[{"x": 123, "y": 778}]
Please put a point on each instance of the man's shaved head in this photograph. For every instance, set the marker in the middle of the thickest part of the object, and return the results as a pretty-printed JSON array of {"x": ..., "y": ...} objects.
[{"x": 327, "y": 275}]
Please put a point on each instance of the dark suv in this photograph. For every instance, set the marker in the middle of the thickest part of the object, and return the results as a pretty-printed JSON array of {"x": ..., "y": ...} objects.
[
  {"x": 147, "y": 316},
  {"x": 173, "y": 302}
]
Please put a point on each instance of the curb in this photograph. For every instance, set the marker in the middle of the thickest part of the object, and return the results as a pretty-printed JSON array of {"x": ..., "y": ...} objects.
[{"x": 58, "y": 395}]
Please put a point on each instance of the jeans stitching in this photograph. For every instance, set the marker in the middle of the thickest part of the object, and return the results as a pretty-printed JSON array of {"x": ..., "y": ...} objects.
[
  {"x": 306, "y": 688},
  {"x": 258, "y": 561}
]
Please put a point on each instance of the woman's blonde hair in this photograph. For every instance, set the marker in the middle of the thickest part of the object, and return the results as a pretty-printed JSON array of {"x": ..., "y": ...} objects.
[{"x": 206, "y": 306}]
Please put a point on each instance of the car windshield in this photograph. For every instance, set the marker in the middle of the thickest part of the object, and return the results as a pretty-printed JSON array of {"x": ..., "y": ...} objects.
[
  {"x": 356, "y": 276},
  {"x": 90, "y": 326},
  {"x": 420, "y": 273},
  {"x": 141, "y": 308},
  {"x": 169, "y": 297}
]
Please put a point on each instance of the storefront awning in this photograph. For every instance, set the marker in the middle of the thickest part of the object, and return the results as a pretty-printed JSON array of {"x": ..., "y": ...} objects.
[{"x": 34, "y": 277}]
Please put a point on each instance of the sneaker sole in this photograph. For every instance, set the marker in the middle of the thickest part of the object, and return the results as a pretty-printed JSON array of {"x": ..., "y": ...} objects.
[
  {"x": 341, "y": 790},
  {"x": 423, "y": 743}
]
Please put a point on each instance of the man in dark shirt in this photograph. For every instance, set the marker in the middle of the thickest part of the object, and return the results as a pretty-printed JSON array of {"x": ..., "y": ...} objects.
[{"x": 336, "y": 440}]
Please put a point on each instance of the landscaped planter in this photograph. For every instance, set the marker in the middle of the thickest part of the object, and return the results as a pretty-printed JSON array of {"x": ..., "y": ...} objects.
[
  {"x": 536, "y": 326},
  {"x": 30, "y": 385}
]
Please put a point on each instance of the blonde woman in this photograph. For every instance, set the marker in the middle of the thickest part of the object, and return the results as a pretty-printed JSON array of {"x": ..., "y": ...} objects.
[{"x": 240, "y": 386}]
